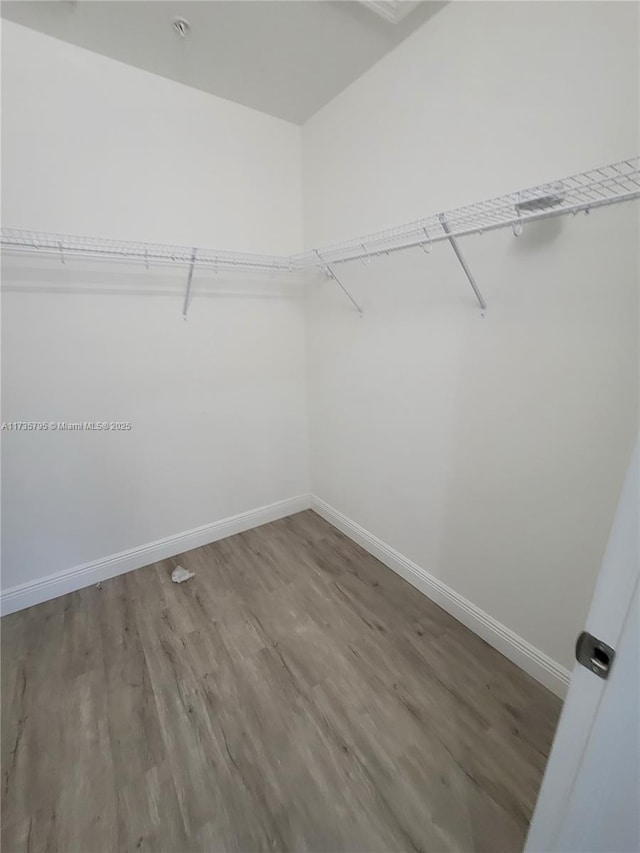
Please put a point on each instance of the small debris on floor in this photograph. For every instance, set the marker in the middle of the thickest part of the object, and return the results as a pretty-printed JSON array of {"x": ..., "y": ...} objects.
[{"x": 178, "y": 575}]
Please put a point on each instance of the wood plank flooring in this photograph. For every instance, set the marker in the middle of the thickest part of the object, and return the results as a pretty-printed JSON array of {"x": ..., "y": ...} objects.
[{"x": 296, "y": 695}]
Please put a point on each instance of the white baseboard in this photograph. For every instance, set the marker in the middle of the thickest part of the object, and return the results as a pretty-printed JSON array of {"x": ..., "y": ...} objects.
[
  {"x": 537, "y": 664},
  {"x": 69, "y": 580},
  {"x": 527, "y": 657}
]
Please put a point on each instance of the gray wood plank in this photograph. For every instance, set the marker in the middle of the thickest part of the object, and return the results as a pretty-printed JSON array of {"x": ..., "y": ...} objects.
[{"x": 295, "y": 695}]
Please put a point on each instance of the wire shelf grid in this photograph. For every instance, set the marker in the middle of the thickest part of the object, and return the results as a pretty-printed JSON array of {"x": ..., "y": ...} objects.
[
  {"x": 62, "y": 245},
  {"x": 605, "y": 185}
]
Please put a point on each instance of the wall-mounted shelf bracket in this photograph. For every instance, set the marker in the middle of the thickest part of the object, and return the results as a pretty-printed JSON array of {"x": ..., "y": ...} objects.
[
  {"x": 463, "y": 263},
  {"x": 187, "y": 294},
  {"x": 332, "y": 275}
]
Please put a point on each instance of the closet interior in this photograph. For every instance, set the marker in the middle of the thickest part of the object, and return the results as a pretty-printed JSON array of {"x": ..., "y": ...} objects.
[{"x": 299, "y": 531}]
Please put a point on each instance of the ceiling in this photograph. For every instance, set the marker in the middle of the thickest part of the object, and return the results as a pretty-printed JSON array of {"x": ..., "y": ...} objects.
[{"x": 287, "y": 58}]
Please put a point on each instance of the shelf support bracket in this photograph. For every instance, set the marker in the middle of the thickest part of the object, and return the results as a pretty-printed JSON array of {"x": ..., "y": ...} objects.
[
  {"x": 332, "y": 275},
  {"x": 463, "y": 263},
  {"x": 187, "y": 294}
]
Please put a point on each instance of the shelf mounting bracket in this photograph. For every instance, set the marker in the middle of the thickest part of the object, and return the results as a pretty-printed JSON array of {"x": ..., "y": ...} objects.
[
  {"x": 463, "y": 263},
  {"x": 332, "y": 275},
  {"x": 187, "y": 294}
]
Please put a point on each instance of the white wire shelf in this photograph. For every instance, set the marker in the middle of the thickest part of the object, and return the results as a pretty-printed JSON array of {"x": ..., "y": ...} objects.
[
  {"x": 64, "y": 246},
  {"x": 611, "y": 184}
]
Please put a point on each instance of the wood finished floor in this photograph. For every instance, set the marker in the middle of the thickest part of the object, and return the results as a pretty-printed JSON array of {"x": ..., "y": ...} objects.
[{"x": 295, "y": 695}]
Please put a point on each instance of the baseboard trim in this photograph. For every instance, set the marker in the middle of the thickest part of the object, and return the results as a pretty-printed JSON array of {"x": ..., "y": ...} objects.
[
  {"x": 43, "y": 589},
  {"x": 537, "y": 664}
]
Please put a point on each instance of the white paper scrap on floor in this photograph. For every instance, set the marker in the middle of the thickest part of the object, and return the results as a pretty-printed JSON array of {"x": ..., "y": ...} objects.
[{"x": 178, "y": 575}]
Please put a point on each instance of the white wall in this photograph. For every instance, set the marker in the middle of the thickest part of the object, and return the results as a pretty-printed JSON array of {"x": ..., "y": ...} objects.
[
  {"x": 217, "y": 403},
  {"x": 490, "y": 452},
  {"x": 94, "y": 146}
]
